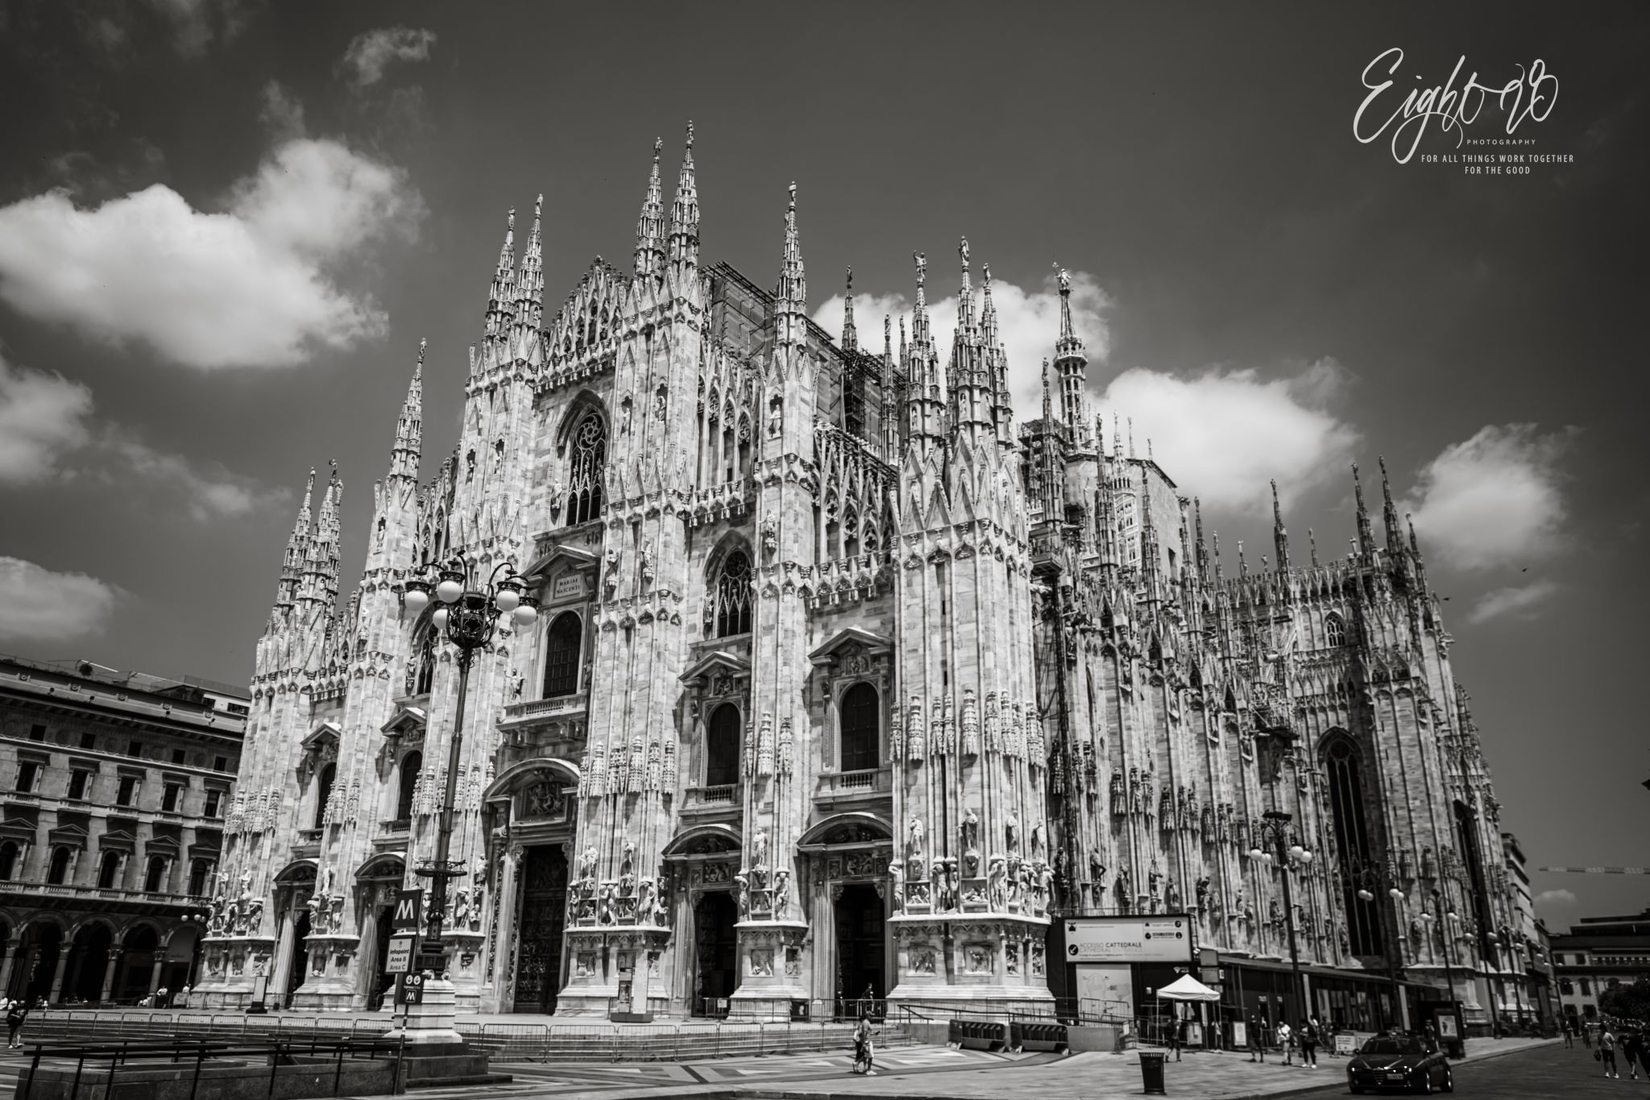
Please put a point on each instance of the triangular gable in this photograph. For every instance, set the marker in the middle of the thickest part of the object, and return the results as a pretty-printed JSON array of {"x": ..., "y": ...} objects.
[
  {"x": 321, "y": 732},
  {"x": 575, "y": 557},
  {"x": 848, "y": 637},
  {"x": 718, "y": 661},
  {"x": 71, "y": 835},
  {"x": 404, "y": 717}
]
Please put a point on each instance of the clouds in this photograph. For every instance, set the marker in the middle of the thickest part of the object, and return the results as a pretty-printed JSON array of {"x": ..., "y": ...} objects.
[
  {"x": 1494, "y": 500},
  {"x": 369, "y": 54},
  {"x": 195, "y": 23},
  {"x": 1516, "y": 601},
  {"x": 1028, "y": 321},
  {"x": 207, "y": 492},
  {"x": 42, "y": 418},
  {"x": 1223, "y": 433},
  {"x": 43, "y": 606},
  {"x": 1549, "y": 898},
  {"x": 251, "y": 286}
]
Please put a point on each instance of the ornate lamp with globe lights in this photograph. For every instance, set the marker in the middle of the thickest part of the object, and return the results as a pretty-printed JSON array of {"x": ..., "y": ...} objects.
[
  {"x": 1274, "y": 836},
  {"x": 468, "y": 617},
  {"x": 1369, "y": 877}
]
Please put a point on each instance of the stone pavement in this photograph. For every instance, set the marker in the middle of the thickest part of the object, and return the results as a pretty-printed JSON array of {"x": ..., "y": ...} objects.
[{"x": 921, "y": 1073}]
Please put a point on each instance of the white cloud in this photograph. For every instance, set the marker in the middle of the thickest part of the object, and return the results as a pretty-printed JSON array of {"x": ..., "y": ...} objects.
[
  {"x": 1028, "y": 322},
  {"x": 207, "y": 491},
  {"x": 196, "y": 22},
  {"x": 369, "y": 54},
  {"x": 1555, "y": 897},
  {"x": 42, "y": 418},
  {"x": 1519, "y": 601},
  {"x": 44, "y": 606},
  {"x": 1493, "y": 500},
  {"x": 251, "y": 286},
  {"x": 282, "y": 111},
  {"x": 1224, "y": 433}
]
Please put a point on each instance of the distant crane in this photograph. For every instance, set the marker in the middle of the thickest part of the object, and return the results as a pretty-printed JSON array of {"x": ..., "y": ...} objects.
[{"x": 1597, "y": 870}]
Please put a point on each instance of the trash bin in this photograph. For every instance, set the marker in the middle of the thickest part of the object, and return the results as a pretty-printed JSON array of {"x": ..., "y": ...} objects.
[{"x": 1151, "y": 1073}]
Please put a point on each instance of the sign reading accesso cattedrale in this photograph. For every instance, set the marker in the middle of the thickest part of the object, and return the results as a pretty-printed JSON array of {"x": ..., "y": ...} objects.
[{"x": 1129, "y": 939}]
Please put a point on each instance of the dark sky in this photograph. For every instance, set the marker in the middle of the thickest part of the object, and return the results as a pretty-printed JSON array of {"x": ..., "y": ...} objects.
[{"x": 225, "y": 226}]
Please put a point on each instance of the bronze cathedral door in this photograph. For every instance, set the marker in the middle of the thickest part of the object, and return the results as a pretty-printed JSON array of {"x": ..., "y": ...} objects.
[{"x": 543, "y": 916}]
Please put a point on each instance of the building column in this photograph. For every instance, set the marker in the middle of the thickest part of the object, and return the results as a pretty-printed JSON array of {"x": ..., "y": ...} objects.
[
  {"x": 109, "y": 973},
  {"x": 56, "y": 993},
  {"x": 502, "y": 995},
  {"x": 13, "y": 946},
  {"x": 283, "y": 957}
]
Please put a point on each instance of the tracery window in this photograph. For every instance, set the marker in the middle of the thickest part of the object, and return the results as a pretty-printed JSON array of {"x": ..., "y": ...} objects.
[
  {"x": 861, "y": 728},
  {"x": 733, "y": 596},
  {"x": 561, "y": 655},
  {"x": 722, "y": 736},
  {"x": 1334, "y": 630},
  {"x": 1347, "y": 811},
  {"x": 410, "y": 765},
  {"x": 586, "y": 470}
]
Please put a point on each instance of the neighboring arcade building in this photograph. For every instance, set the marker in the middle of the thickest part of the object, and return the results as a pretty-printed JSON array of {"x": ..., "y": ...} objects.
[
  {"x": 843, "y": 681},
  {"x": 115, "y": 789}
]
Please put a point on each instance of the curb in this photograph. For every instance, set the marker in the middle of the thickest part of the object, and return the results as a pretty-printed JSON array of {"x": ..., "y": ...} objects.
[{"x": 1293, "y": 1089}]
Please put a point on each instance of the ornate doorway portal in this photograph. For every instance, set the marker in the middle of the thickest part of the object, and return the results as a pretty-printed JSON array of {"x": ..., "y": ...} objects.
[
  {"x": 861, "y": 950},
  {"x": 716, "y": 952},
  {"x": 543, "y": 917}
]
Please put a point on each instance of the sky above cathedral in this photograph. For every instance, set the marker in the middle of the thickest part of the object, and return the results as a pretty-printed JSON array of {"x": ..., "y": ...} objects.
[{"x": 225, "y": 225}]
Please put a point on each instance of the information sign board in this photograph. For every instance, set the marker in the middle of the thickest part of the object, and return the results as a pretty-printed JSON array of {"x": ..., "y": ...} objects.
[
  {"x": 1166, "y": 939},
  {"x": 400, "y": 957}
]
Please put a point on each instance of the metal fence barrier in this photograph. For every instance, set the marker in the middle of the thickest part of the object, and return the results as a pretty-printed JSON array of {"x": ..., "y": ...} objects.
[{"x": 111, "y": 1057}]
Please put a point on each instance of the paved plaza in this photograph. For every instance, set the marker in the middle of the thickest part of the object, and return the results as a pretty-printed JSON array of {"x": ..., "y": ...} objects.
[{"x": 922, "y": 1072}]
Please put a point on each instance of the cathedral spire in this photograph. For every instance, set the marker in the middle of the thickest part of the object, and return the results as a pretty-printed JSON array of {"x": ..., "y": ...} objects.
[
  {"x": 1220, "y": 567},
  {"x": 650, "y": 224},
  {"x": 850, "y": 335},
  {"x": 922, "y": 378},
  {"x": 1415, "y": 553},
  {"x": 1202, "y": 547},
  {"x": 530, "y": 283},
  {"x": 791, "y": 295},
  {"x": 1312, "y": 540},
  {"x": 407, "y": 453},
  {"x": 1389, "y": 514},
  {"x": 504, "y": 276},
  {"x": 1048, "y": 402},
  {"x": 1280, "y": 537},
  {"x": 1366, "y": 538},
  {"x": 297, "y": 555},
  {"x": 890, "y": 398},
  {"x": 684, "y": 213},
  {"x": 320, "y": 583},
  {"x": 1070, "y": 363}
]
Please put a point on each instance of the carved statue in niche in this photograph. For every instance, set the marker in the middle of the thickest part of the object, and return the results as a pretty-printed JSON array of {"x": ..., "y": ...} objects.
[
  {"x": 914, "y": 839},
  {"x": 896, "y": 879},
  {"x": 945, "y": 890},
  {"x": 1097, "y": 870},
  {"x": 770, "y": 536},
  {"x": 1203, "y": 894},
  {"x": 996, "y": 893},
  {"x": 781, "y": 891},
  {"x": 1171, "y": 897},
  {"x": 1045, "y": 885},
  {"x": 742, "y": 883},
  {"x": 1037, "y": 842},
  {"x": 604, "y": 903},
  {"x": 971, "y": 831},
  {"x": 587, "y": 864},
  {"x": 1011, "y": 833},
  {"x": 645, "y": 564},
  {"x": 644, "y": 900},
  {"x": 610, "y": 573},
  {"x": 1118, "y": 796},
  {"x": 1154, "y": 879}
]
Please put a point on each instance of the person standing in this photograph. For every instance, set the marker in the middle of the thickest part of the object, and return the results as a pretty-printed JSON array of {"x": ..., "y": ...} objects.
[
  {"x": 863, "y": 1053},
  {"x": 16, "y": 1014},
  {"x": 1257, "y": 1047},
  {"x": 1173, "y": 1031},
  {"x": 1607, "y": 1051},
  {"x": 1586, "y": 1034},
  {"x": 1311, "y": 1035},
  {"x": 1286, "y": 1042},
  {"x": 1569, "y": 1033}
]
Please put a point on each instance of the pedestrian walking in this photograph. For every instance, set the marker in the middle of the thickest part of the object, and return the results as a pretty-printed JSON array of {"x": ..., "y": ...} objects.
[
  {"x": 1569, "y": 1032},
  {"x": 1257, "y": 1046},
  {"x": 1311, "y": 1035},
  {"x": 1632, "y": 1051},
  {"x": 1607, "y": 1051},
  {"x": 1586, "y": 1034},
  {"x": 863, "y": 1053},
  {"x": 1286, "y": 1042},
  {"x": 1171, "y": 1036},
  {"x": 16, "y": 1013}
]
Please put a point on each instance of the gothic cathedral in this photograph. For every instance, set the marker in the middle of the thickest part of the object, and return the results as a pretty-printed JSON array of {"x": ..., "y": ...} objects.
[{"x": 841, "y": 681}]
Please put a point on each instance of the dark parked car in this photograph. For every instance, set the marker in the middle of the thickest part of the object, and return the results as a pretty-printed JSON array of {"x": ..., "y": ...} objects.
[{"x": 1398, "y": 1061}]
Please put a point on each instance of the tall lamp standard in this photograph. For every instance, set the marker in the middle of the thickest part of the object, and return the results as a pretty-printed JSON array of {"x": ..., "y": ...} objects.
[
  {"x": 1274, "y": 833},
  {"x": 468, "y": 616},
  {"x": 1371, "y": 877}
]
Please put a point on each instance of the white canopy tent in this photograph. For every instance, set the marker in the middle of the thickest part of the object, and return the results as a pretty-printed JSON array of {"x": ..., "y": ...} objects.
[{"x": 1187, "y": 988}]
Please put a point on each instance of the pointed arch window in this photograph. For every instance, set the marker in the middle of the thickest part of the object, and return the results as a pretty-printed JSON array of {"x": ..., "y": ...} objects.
[
  {"x": 410, "y": 765},
  {"x": 586, "y": 470},
  {"x": 722, "y": 737},
  {"x": 1351, "y": 829},
  {"x": 425, "y": 677},
  {"x": 323, "y": 792},
  {"x": 733, "y": 596},
  {"x": 561, "y": 655},
  {"x": 861, "y": 728},
  {"x": 1334, "y": 629}
]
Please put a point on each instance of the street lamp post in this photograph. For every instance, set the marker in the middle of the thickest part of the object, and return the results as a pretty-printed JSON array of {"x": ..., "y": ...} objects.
[
  {"x": 1274, "y": 831},
  {"x": 468, "y": 617},
  {"x": 1369, "y": 878}
]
